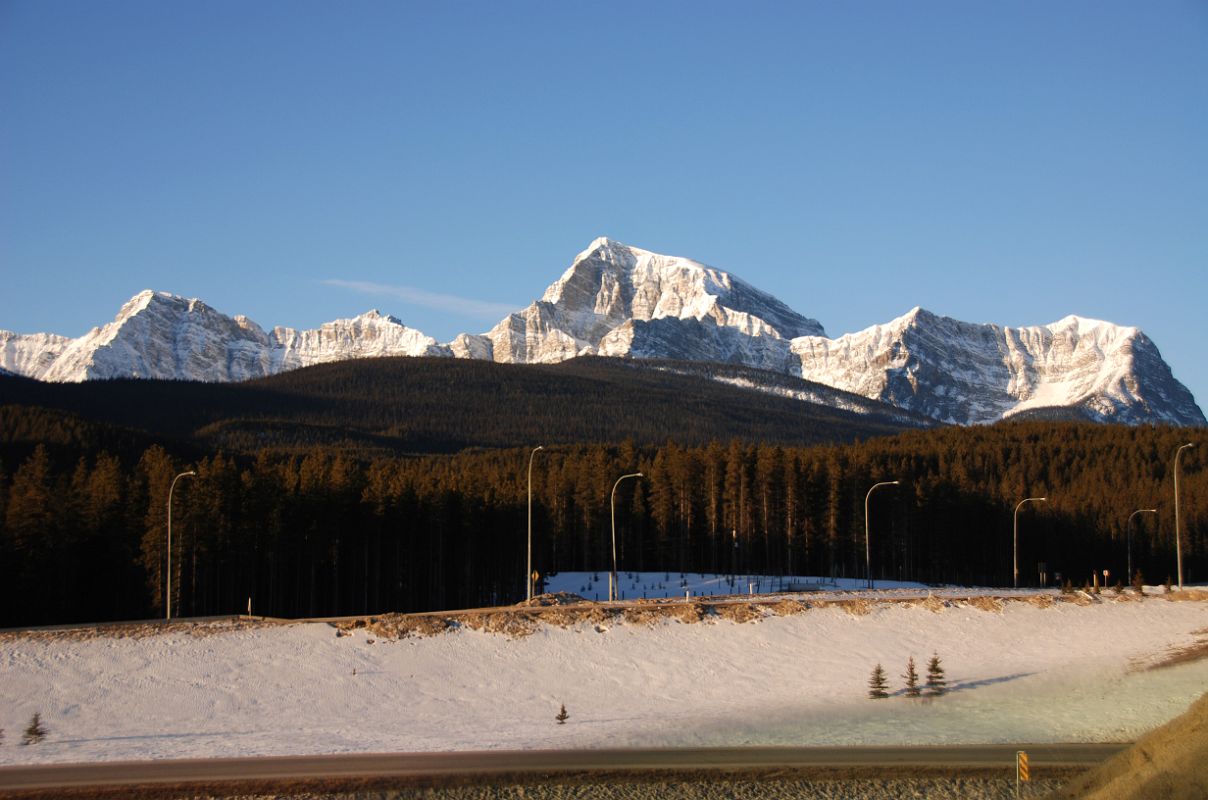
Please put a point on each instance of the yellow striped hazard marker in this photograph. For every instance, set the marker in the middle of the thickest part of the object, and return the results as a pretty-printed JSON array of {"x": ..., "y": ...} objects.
[{"x": 1021, "y": 770}]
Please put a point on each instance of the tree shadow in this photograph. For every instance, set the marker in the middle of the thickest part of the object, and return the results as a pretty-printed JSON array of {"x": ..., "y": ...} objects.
[{"x": 962, "y": 686}]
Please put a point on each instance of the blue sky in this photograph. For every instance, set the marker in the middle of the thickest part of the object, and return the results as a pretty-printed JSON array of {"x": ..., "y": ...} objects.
[{"x": 302, "y": 161}]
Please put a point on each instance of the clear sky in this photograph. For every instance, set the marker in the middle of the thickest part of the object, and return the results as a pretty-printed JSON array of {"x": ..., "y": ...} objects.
[{"x": 994, "y": 162}]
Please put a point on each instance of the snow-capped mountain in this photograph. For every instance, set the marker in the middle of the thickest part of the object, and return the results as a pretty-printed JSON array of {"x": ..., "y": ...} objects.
[
  {"x": 965, "y": 373},
  {"x": 159, "y": 335},
  {"x": 617, "y": 300}
]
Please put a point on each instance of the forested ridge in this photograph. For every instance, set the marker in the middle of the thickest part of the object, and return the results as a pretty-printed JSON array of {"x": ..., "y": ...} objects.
[
  {"x": 400, "y": 406},
  {"x": 324, "y": 531}
]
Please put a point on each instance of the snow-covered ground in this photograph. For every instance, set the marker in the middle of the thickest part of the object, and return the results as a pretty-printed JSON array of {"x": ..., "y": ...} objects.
[{"x": 1018, "y": 672}]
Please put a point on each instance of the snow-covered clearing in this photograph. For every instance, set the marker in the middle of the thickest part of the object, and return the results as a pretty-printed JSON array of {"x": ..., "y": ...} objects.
[{"x": 1019, "y": 672}]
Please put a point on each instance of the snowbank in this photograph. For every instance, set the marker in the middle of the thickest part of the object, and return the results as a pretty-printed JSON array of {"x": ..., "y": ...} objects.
[{"x": 1019, "y": 672}]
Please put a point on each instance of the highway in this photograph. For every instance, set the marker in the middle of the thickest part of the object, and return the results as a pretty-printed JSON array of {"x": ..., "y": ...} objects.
[{"x": 518, "y": 762}]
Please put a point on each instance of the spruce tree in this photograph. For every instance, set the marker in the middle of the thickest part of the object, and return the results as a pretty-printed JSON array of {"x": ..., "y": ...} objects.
[
  {"x": 35, "y": 732},
  {"x": 912, "y": 679},
  {"x": 936, "y": 685},
  {"x": 562, "y": 715},
  {"x": 876, "y": 684}
]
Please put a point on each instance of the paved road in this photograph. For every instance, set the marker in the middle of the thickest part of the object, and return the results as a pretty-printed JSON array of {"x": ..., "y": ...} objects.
[{"x": 385, "y": 765}]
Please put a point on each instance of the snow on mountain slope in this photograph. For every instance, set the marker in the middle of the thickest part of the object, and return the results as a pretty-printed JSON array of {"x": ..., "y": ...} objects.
[
  {"x": 30, "y": 354},
  {"x": 966, "y": 373},
  {"x": 622, "y": 301},
  {"x": 617, "y": 300},
  {"x": 159, "y": 335},
  {"x": 370, "y": 335}
]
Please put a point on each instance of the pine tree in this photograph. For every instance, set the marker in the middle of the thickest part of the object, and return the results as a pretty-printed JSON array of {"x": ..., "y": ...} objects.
[
  {"x": 562, "y": 715},
  {"x": 876, "y": 684},
  {"x": 912, "y": 679},
  {"x": 1138, "y": 583},
  {"x": 936, "y": 684},
  {"x": 35, "y": 732}
]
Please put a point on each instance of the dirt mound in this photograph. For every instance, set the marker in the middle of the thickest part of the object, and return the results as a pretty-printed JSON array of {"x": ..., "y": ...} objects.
[
  {"x": 857, "y": 608},
  {"x": 509, "y": 623},
  {"x": 137, "y": 630},
  {"x": 1186, "y": 594},
  {"x": 786, "y": 608},
  {"x": 644, "y": 615},
  {"x": 566, "y": 616},
  {"x": 986, "y": 604},
  {"x": 554, "y": 599},
  {"x": 933, "y": 604},
  {"x": 396, "y": 626},
  {"x": 1170, "y": 762},
  {"x": 738, "y": 612},
  {"x": 688, "y": 612}
]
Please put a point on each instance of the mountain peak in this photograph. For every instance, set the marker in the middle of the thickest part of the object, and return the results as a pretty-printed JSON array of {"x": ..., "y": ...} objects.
[
  {"x": 1085, "y": 325},
  {"x": 619, "y": 300}
]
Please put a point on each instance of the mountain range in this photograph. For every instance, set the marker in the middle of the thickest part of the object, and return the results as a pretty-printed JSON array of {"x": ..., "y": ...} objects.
[{"x": 621, "y": 301}]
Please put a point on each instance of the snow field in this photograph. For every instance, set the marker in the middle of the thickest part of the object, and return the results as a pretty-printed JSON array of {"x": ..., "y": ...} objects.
[{"x": 1022, "y": 674}]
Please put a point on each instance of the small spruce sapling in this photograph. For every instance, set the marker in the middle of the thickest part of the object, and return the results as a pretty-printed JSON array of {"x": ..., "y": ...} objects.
[
  {"x": 936, "y": 684},
  {"x": 876, "y": 684},
  {"x": 35, "y": 732},
  {"x": 562, "y": 716},
  {"x": 912, "y": 679}
]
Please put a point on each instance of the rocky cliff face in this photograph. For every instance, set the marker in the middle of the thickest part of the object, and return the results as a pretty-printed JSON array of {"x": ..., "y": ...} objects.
[
  {"x": 158, "y": 335},
  {"x": 30, "y": 354},
  {"x": 965, "y": 373},
  {"x": 617, "y": 300}
]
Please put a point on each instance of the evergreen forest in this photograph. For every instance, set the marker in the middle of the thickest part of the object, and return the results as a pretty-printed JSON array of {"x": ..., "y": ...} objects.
[{"x": 319, "y": 530}]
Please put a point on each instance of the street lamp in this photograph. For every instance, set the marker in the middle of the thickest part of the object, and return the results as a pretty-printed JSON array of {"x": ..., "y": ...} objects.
[
  {"x": 189, "y": 474},
  {"x": 1128, "y": 534},
  {"x": 612, "y": 507},
  {"x": 867, "y": 546},
  {"x": 1015, "y": 538},
  {"x": 528, "y": 574},
  {"x": 1178, "y": 542}
]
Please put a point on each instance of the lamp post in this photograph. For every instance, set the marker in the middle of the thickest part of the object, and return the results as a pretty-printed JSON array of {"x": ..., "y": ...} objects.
[
  {"x": 1178, "y": 542},
  {"x": 189, "y": 474},
  {"x": 1128, "y": 534},
  {"x": 528, "y": 573},
  {"x": 1015, "y": 537},
  {"x": 867, "y": 546},
  {"x": 612, "y": 507}
]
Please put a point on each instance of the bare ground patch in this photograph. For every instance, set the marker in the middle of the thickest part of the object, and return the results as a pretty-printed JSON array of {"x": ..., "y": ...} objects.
[
  {"x": 1184, "y": 655},
  {"x": 785, "y": 608},
  {"x": 986, "y": 603},
  {"x": 565, "y": 610},
  {"x": 509, "y": 623},
  {"x": 1180, "y": 595},
  {"x": 138, "y": 630},
  {"x": 857, "y": 608},
  {"x": 739, "y": 612}
]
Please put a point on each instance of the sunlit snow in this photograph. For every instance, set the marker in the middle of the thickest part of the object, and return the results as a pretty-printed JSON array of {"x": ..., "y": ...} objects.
[{"x": 1018, "y": 673}]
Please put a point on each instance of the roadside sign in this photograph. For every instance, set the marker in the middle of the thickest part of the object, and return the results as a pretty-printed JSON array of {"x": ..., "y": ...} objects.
[{"x": 1021, "y": 770}]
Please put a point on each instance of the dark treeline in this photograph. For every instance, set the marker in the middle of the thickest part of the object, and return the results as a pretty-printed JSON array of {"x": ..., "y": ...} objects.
[
  {"x": 397, "y": 406},
  {"x": 322, "y": 533}
]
